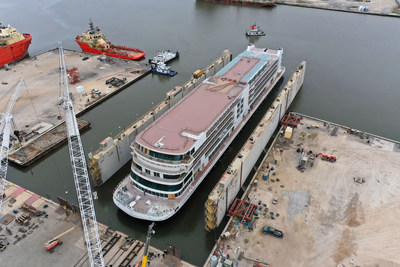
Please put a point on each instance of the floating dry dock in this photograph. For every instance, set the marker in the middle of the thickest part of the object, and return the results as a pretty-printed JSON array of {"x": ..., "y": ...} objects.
[
  {"x": 116, "y": 152},
  {"x": 37, "y": 104},
  {"x": 225, "y": 191},
  {"x": 23, "y": 234},
  {"x": 340, "y": 213}
]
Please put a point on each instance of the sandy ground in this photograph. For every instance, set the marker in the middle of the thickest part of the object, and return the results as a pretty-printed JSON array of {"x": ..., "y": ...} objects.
[
  {"x": 327, "y": 218},
  {"x": 386, "y": 7},
  {"x": 40, "y": 95}
]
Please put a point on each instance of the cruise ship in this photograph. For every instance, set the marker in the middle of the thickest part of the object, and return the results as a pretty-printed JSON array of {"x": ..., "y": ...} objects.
[{"x": 173, "y": 155}]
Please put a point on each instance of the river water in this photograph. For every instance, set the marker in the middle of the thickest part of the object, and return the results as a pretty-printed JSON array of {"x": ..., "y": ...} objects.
[{"x": 351, "y": 79}]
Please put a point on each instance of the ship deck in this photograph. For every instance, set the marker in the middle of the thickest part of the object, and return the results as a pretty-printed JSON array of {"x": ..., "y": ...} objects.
[
  {"x": 179, "y": 128},
  {"x": 146, "y": 205}
]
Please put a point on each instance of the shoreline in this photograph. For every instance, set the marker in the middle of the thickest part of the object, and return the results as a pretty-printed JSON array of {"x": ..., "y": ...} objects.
[{"x": 309, "y": 5}]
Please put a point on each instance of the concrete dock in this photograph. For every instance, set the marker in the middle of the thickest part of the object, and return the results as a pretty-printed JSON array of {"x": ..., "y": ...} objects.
[
  {"x": 37, "y": 104},
  {"x": 229, "y": 185},
  {"x": 44, "y": 143},
  {"x": 340, "y": 213},
  {"x": 29, "y": 220}
]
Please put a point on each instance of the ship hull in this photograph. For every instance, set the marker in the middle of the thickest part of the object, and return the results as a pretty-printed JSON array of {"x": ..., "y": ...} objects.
[
  {"x": 245, "y": 3},
  {"x": 202, "y": 176},
  {"x": 115, "y": 51},
  {"x": 15, "y": 51}
]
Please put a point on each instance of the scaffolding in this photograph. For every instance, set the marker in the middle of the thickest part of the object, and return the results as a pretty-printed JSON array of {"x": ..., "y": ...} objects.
[{"x": 210, "y": 218}]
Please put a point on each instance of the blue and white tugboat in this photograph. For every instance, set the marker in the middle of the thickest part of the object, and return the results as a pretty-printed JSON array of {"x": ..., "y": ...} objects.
[
  {"x": 255, "y": 31},
  {"x": 161, "y": 68}
]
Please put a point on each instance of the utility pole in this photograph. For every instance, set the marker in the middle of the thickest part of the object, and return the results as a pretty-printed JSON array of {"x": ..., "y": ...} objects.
[{"x": 146, "y": 248}]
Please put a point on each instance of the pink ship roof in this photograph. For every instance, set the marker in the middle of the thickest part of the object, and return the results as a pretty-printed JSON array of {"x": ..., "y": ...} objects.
[{"x": 177, "y": 130}]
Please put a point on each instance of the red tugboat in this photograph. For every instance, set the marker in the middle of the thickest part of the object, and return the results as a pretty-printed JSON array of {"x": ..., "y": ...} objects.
[
  {"x": 94, "y": 41},
  {"x": 13, "y": 45}
]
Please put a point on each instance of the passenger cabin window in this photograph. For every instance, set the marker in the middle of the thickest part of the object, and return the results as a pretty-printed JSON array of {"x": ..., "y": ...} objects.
[
  {"x": 161, "y": 155},
  {"x": 138, "y": 166}
]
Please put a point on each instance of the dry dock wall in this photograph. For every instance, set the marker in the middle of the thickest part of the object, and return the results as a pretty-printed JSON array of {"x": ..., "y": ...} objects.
[
  {"x": 116, "y": 152},
  {"x": 232, "y": 180}
]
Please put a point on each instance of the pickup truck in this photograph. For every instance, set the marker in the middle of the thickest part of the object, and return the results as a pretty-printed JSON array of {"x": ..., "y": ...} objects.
[{"x": 272, "y": 231}]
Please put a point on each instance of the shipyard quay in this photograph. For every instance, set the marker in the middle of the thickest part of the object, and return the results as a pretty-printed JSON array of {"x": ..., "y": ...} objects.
[{"x": 154, "y": 170}]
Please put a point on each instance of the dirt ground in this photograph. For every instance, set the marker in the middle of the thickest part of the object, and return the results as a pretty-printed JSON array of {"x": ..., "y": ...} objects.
[
  {"x": 327, "y": 218},
  {"x": 385, "y": 7},
  {"x": 40, "y": 94}
]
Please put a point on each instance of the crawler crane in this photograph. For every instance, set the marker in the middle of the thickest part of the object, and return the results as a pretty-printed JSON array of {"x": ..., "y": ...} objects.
[
  {"x": 5, "y": 130},
  {"x": 80, "y": 172}
]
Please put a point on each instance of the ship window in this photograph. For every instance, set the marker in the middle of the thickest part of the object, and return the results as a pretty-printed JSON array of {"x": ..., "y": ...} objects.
[
  {"x": 165, "y": 156},
  {"x": 156, "y": 186},
  {"x": 187, "y": 177},
  {"x": 156, "y": 174},
  {"x": 192, "y": 152},
  {"x": 147, "y": 171},
  {"x": 138, "y": 166},
  {"x": 167, "y": 176}
]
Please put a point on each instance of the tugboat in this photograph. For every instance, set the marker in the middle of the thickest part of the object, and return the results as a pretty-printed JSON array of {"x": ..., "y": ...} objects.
[
  {"x": 161, "y": 68},
  {"x": 13, "y": 45},
  {"x": 164, "y": 56},
  {"x": 255, "y": 31},
  {"x": 94, "y": 41}
]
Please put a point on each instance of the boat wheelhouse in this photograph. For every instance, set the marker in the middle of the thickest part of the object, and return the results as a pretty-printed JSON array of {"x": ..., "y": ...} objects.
[
  {"x": 255, "y": 31},
  {"x": 95, "y": 42},
  {"x": 173, "y": 155},
  {"x": 13, "y": 45}
]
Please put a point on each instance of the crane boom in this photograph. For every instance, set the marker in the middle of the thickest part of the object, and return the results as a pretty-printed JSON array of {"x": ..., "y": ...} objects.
[
  {"x": 80, "y": 173},
  {"x": 5, "y": 131}
]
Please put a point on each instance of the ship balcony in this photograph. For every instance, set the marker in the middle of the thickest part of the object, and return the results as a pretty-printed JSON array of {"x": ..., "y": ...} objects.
[
  {"x": 158, "y": 167},
  {"x": 158, "y": 180},
  {"x": 186, "y": 161}
]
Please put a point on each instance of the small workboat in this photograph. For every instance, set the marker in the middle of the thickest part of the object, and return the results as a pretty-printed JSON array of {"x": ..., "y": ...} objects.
[
  {"x": 161, "y": 68},
  {"x": 255, "y": 31}
]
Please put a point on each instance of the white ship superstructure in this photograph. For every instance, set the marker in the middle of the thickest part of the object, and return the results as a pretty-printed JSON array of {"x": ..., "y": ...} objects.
[{"x": 174, "y": 154}]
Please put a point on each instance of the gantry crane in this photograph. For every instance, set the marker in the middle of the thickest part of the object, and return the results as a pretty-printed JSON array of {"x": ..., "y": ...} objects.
[
  {"x": 80, "y": 173},
  {"x": 5, "y": 130}
]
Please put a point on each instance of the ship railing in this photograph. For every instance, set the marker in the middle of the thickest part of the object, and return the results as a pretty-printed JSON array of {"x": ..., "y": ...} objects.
[
  {"x": 166, "y": 169},
  {"x": 186, "y": 161}
]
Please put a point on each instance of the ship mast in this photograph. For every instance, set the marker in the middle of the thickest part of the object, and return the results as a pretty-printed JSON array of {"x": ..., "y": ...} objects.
[{"x": 91, "y": 27}]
